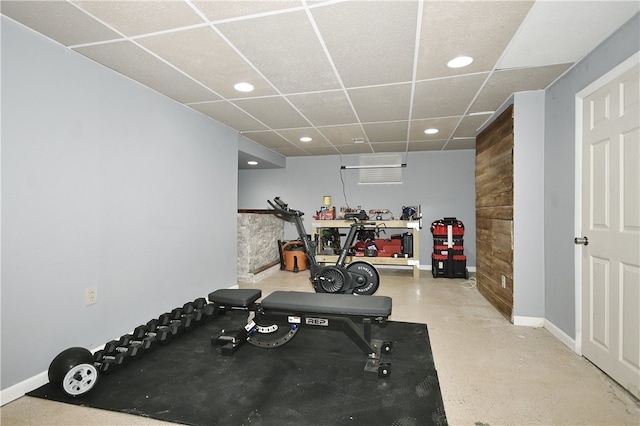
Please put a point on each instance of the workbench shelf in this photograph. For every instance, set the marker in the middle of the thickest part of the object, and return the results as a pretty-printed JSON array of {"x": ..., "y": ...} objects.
[{"x": 388, "y": 225}]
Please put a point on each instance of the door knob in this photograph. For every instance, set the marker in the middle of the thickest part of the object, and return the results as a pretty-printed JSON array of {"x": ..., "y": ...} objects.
[{"x": 581, "y": 240}]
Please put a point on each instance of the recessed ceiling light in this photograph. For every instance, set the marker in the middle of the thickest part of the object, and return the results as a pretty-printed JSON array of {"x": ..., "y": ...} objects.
[
  {"x": 459, "y": 62},
  {"x": 431, "y": 131},
  {"x": 243, "y": 87},
  {"x": 252, "y": 163},
  {"x": 305, "y": 139}
]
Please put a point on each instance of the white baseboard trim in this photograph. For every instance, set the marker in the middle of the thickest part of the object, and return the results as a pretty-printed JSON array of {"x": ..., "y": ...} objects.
[
  {"x": 528, "y": 321},
  {"x": 428, "y": 268},
  {"x": 20, "y": 389},
  {"x": 562, "y": 336},
  {"x": 32, "y": 383},
  {"x": 551, "y": 328}
]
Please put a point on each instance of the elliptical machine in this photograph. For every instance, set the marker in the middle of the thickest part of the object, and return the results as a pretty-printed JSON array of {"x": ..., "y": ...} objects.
[{"x": 359, "y": 278}]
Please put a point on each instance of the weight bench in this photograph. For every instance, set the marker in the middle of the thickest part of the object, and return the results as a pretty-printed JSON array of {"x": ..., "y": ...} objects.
[{"x": 278, "y": 317}]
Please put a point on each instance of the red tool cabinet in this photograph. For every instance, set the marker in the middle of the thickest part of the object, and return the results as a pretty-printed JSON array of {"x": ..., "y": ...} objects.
[{"x": 448, "y": 259}]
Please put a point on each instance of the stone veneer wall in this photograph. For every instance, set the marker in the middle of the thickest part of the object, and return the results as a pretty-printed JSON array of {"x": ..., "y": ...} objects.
[{"x": 258, "y": 235}]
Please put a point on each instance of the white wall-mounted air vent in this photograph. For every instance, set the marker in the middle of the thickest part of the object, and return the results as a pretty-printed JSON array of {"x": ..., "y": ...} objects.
[{"x": 380, "y": 169}]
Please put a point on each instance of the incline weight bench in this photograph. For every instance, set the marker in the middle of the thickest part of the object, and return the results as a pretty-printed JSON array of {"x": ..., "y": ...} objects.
[{"x": 278, "y": 317}]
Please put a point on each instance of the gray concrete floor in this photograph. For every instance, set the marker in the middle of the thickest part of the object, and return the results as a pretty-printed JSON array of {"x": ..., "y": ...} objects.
[{"x": 491, "y": 372}]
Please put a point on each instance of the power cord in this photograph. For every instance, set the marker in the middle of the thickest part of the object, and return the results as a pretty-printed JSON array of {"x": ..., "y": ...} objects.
[
  {"x": 470, "y": 283},
  {"x": 344, "y": 193}
]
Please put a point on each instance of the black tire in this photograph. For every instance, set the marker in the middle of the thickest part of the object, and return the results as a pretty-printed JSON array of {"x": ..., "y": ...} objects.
[
  {"x": 73, "y": 370},
  {"x": 371, "y": 275}
]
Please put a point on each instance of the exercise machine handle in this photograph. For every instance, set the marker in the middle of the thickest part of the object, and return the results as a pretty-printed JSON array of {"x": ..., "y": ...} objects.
[{"x": 283, "y": 208}]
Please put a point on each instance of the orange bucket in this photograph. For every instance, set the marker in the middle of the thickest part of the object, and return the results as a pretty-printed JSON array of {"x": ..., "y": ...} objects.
[{"x": 294, "y": 256}]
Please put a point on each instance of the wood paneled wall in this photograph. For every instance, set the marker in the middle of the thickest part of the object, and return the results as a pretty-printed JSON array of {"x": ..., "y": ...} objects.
[{"x": 494, "y": 212}]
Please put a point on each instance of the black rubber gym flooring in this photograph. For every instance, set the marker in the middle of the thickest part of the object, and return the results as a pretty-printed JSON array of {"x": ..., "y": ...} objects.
[{"x": 314, "y": 379}]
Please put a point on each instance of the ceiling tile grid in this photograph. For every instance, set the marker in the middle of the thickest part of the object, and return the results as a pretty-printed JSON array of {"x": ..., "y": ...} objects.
[{"x": 358, "y": 77}]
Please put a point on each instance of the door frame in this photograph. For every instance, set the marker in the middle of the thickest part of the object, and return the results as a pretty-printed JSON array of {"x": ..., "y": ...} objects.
[{"x": 616, "y": 72}]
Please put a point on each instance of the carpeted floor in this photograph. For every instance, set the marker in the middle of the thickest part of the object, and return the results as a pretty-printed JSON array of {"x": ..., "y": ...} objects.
[{"x": 315, "y": 379}]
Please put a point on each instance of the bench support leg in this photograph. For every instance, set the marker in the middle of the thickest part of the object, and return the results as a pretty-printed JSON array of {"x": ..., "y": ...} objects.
[
  {"x": 363, "y": 340},
  {"x": 372, "y": 347},
  {"x": 231, "y": 340}
]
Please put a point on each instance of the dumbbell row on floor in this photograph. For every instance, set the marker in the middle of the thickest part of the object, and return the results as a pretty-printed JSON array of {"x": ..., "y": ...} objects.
[
  {"x": 146, "y": 338},
  {"x": 185, "y": 319}
]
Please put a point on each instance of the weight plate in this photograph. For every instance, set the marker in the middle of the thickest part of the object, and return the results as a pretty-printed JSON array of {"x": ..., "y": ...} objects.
[{"x": 370, "y": 273}]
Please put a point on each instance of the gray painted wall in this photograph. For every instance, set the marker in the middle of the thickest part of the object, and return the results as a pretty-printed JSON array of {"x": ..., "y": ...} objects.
[
  {"x": 559, "y": 182},
  {"x": 528, "y": 205},
  {"x": 442, "y": 182},
  {"x": 105, "y": 184}
]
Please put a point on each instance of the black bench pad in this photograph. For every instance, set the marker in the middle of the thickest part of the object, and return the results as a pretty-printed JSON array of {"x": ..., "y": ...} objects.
[
  {"x": 236, "y": 297},
  {"x": 328, "y": 303}
]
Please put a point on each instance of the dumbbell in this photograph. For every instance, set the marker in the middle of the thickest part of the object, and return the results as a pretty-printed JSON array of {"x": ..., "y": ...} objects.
[
  {"x": 188, "y": 321},
  {"x": 191, "y": 308},
  {"x": 147, "y": 343},
  {"x": 164, "y": 323},
  {"x": 208, "y": 310},
  {"x": 107, "y": 363},
  {"x": 161, "y": 336},
  {"x": 131, "y": 351}
]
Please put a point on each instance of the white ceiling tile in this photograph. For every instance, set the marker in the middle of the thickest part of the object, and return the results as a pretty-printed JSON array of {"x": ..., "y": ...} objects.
[
  {"x": 387, "y": 132},
  {"x": 58, "y": 20},
  {"x": 480, "y": 29},
  {"x": 275, "y": 112},
  {"x": 370, "y": 42},
  {"x": 294, "y": 135},
  {"x": 327, "y": 150},
  {"x": 389, "y": 147},
  {"x": 132, "y": 61},
  {"x": 446, "y": 96},
  {"x": 503, "y": 84},
  {"x": 206, "y": 57},
  {"x": 227, "y": 113},
  {"x": 324, "y": 108},
  {"x": 382, "y": 103},
  {"x": 229, "y": 9},
  {"x": 364, "y": 148},
  {"x": 469, "y": 125},
  {"x": 286, "y": 50},
  {"x": 573, "y": 28},
  {"x": 342, "y": 135},
  {"x": 444, "y": 125},
  {"x": 134, "y": 17},
  {"x": 269, "y": 139}
]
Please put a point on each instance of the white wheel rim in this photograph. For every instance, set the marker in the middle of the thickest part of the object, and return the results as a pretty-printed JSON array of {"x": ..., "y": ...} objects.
[{"x": 80, "y": 379}]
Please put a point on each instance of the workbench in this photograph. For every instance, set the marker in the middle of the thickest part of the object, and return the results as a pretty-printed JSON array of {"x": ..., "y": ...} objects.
[{"x": 388, "y": 225}]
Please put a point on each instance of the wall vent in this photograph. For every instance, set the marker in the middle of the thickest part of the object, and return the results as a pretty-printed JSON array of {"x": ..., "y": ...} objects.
[{"x": 389, "y": 172}]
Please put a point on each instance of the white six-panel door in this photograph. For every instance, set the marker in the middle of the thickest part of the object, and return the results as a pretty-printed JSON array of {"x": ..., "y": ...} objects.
[{"x": 611, "y": 225}]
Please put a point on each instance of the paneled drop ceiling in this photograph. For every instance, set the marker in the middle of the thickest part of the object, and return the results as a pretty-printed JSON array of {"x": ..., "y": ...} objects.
[{"x": 357, "y": 77}]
